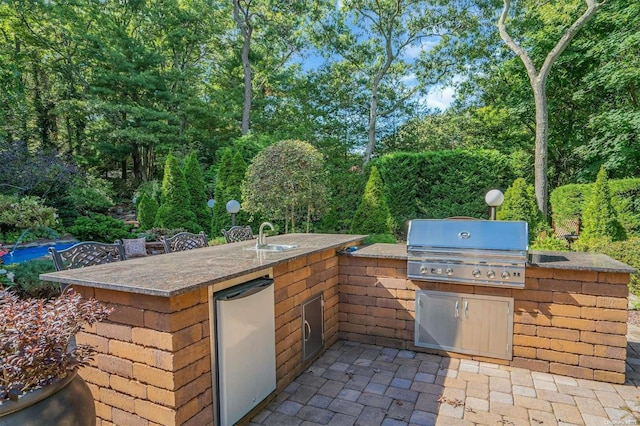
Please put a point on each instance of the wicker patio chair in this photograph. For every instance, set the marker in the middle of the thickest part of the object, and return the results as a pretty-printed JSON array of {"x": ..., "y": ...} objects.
[
  {"x": 238, "y": 233},
  {"x": 185, "y": 241}
]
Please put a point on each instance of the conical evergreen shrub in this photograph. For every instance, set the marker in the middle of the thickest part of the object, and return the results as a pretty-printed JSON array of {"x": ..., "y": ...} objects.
[
  {"x": 520, "y": 204},
  {"x": 147, "y": 210},
  {"x": 373, "y": 215},
  {"x": 599, "y": 218},
  {"x": 195, "y": 187},
  {"x": 174, "y": 209}
]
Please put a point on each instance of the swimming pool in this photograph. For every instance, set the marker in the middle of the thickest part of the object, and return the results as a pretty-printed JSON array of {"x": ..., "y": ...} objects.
[{"x": 30, "y": 253}]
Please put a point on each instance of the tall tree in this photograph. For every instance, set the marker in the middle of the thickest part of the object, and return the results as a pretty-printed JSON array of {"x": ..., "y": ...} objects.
[
  {"x": 538, "y": 79},
  {"x": 278, "y": 25},
  {"x": 375, "y": 36}
]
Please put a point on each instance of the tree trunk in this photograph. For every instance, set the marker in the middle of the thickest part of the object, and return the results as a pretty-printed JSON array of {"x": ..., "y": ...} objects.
[
  {"x": 542, "y": 137},
  {"x": 244, "y": 25},
  {"x": 137, "y": 162},
  {"x": 123, "y": 169},
  {"x": 373, "y": 113}
]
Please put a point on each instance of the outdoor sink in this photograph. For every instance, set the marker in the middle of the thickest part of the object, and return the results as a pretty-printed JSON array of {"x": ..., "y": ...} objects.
[{"x": 274, "y": 247}]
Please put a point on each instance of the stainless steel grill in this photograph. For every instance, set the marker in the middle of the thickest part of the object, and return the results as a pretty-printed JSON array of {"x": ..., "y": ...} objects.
[{"x": 481, "y": 252}]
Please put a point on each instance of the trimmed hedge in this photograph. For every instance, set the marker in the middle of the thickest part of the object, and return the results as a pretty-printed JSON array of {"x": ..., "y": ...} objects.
[
  {"x": 441, "y": 184},
  {"x": 568, "y": 202}
]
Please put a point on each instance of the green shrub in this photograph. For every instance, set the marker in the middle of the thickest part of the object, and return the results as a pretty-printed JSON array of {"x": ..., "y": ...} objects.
[
  {"x": 19, "y": 213},
  {"x": 26, "y": 282},
  {"x": 346, "y": 186},
  {"x": 548, "y": 241},
  {"x": 91, "y": 194},
  {"x": 174, "y": 211},
  {"x": 372, "y": 215},
  {"x": 380, "y": 238},
  {"x": 100, "y": 228},
  {"x": 440, "y": 184},
  {"x": 568, "y": 202},
  {"x": 627, "y": 252},
  {"x": 152, "y": 189},
  {"x": 520, "y": 204},
  {"x": 147, "y": 210},
  {"x": 599, "y": 218}
]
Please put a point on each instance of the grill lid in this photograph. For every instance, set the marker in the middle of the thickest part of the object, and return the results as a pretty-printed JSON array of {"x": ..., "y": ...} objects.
[{"x": 425, "y": 234}]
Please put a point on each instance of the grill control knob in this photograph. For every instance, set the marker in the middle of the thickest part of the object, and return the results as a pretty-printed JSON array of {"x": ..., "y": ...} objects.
[
  {"x": 491, "y": 274},
  {"x": 505, "y": 275},
  {"x": 449, "y": 272},
  {"x": 424, "y": 269},
  {"x": 476, "y": 273}
]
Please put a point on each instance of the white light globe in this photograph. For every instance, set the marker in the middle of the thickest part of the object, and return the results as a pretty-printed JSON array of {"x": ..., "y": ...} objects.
[
  {"x": 494, "y": 198},
  {"x": 233, "y": 206},
  {"x": 211, "y": 203}
]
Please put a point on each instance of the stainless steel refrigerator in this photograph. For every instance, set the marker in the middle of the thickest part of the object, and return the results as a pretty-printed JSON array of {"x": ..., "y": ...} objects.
[{"x": 245, "y": 348}]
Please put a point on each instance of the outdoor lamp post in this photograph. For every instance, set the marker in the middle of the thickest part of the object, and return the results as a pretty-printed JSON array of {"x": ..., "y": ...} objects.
[
  {"x": 233, "y": 207},
  {"x": 210, "y": 204},
  {"x": 494, "y": 198}
]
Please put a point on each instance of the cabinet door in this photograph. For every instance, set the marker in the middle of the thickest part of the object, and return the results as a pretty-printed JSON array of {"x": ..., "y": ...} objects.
[
  {"x": 487, "y": 326},
  {"x": 438, "y": 322},
  {"x": 312, "y": 327}
]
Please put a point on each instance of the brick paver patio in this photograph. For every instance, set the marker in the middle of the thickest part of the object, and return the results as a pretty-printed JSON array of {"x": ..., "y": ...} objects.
[{"x": 358, "y": 384}]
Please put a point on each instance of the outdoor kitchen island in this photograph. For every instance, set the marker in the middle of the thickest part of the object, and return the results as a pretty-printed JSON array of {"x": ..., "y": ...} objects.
[
  {"x": 569, "y": 318},
  {"x": 154, "y": 359}
]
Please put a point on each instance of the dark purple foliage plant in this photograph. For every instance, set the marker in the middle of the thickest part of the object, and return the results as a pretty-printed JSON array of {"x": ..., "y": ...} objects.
[{"x": 35, "y": 336}]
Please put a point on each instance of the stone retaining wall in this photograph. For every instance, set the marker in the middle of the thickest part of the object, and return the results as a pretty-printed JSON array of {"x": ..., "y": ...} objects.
[{"x": 567, "y": 322}]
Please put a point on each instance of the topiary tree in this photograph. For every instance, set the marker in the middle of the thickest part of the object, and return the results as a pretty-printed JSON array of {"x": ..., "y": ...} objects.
[
  {"x": 287, "y": 181},
  {"x": 599, "y": 218},
  {"x": 196, "y": 189},
  {"x": 520, "y": 204},
  {"x": 373, "y": 215},
  {"x": 174, "y": 210},
  {"x": 147, "y": 210}
]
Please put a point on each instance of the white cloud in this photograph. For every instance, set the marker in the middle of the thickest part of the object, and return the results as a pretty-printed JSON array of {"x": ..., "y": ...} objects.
[
  {"x": 440, "y": 97},
  {"x": 413, "y": 51}
]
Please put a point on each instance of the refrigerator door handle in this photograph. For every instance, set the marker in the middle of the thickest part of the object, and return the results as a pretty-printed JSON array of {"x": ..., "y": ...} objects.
[{"x": 246, "y": 293}]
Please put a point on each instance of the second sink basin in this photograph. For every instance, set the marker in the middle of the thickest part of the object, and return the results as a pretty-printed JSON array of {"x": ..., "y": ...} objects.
[{"x": 274, "y": 247}]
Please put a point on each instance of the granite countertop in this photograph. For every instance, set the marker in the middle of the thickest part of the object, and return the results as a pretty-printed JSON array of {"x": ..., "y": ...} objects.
[
  {"x": 171, "y": 274},
  {"x": 540, "y": 259}
]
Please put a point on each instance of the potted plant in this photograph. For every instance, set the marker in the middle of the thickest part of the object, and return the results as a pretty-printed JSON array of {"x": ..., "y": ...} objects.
[{"x": 39, "y": 384}]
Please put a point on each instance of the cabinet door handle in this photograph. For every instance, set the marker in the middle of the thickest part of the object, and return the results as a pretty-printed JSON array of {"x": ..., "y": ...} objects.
[
  {"x": 307, "y": 327},
  {"x": 466, "y": 309},
  {"x": 456, "y": 308}
]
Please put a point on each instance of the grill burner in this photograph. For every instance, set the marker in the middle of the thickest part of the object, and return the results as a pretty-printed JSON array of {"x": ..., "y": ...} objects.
[{"x": 481, "y": 252}]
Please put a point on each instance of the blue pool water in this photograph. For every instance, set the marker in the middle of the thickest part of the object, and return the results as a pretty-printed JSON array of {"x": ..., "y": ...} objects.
[{"x": 30, "y": 253}]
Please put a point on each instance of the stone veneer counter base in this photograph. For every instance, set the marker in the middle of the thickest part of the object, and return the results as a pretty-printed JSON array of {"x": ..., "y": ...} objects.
[{"x": 569, "y": 319}]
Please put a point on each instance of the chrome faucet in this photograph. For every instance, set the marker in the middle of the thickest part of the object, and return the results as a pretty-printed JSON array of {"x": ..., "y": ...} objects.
[{"x": 262, "y": 239}]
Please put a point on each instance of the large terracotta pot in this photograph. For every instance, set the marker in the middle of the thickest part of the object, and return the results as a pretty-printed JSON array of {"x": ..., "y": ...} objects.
[{"x": 65, "y": 402}]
